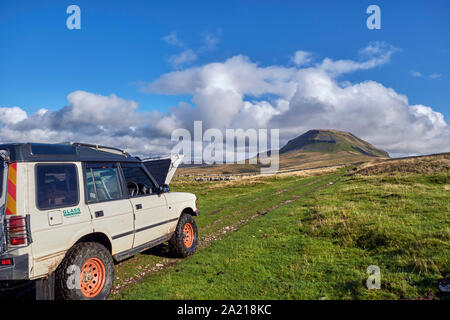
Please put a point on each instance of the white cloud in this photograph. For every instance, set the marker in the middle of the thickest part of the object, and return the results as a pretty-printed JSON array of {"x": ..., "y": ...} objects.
[
  {"x": 90, "y": 118},
  {"x": 210, "y": 40},
  {"x": 91, "y": 108},
  {"x": 172, "y": 39},
  {"x": 12, "y": 115},
  {"x": 238, "y": 93},
  {"x": 435, "y": 75},
  {"x": 416, "y": 74},
  {"x": 42, "y": 111},
  {"x": 188, "y": 55},
  {"x": 375, "y": 54},
  {"x": 302, "y": 58},
  {"x": 234, "y": 93},
  {"x": 182, "y": 58}
]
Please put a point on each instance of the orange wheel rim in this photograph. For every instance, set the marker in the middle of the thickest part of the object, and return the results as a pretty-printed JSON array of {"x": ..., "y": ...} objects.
[
  {"x": 188, "y": 235},
  {"x": 92, "y": 277}
]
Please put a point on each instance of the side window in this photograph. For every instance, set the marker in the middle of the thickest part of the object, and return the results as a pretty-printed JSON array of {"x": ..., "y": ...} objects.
[
  {"x": 138, "y": 183},
  {"x": 103, "y": 183},
  {"x": 57, "y": 186}
]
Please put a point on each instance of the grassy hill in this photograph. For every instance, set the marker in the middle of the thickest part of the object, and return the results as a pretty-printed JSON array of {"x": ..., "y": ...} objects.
[
  {"x": 313, "y": 149},
  {"x": 331, "y": 141}
]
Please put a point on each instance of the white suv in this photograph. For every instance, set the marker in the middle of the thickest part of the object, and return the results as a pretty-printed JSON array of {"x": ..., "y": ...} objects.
[{"x": 74, "y": 209}]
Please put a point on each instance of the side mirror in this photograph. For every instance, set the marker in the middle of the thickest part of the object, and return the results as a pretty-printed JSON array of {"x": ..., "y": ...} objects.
[{"x": 164, "y": 188}]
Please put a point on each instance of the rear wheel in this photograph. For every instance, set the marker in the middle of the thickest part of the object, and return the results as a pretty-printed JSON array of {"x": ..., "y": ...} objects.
[
  {"x": 184, "y": 240},
  {"x": 87, "y": 273}
]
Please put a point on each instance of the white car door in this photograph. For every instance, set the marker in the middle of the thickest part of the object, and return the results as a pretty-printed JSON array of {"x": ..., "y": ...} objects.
[
  {"x": 150, "y": 206},
  {"x": 110, "y": 209}
]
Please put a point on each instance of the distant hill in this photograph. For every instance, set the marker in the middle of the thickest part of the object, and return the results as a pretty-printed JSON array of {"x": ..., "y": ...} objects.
[
  {"x": 331, "y": 141},
  {"x": 311, "y": 150}
]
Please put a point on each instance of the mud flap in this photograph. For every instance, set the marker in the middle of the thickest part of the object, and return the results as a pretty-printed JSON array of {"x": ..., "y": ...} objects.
[{"x": 45, "y": 288}]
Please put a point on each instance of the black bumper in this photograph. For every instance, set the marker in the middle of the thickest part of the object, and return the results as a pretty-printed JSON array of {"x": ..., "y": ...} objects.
[{"x": 17, "y": 271}]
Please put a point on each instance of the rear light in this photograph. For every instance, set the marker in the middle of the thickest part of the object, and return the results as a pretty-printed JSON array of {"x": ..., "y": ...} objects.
[
  {"x": 18, "y": 231},
  {"x": 6, "y": 262},
  {"x": 196, "y": 204},
  {"x": 17, "y": 241}
]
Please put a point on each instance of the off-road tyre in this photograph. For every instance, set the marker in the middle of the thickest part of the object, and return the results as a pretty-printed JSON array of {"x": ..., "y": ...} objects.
[
  {"x": 184, "y": 240},
  {"x": 94, "y": 266}
]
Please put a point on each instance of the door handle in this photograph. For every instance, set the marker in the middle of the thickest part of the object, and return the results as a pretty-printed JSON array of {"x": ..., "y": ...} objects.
[
  {"x": 99, "y": 213},
  {"x": 138, "y": 206}
]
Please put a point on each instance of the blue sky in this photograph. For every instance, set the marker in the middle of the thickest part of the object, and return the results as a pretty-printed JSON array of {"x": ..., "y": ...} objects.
[
  {"x": 120, "y": 44},
  {"x": 123, "y": 45}
]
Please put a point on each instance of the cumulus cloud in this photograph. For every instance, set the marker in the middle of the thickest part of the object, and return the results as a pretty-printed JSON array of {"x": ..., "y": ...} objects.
[
  {"x": 12, "y": 115},
  {"x": 302, "y": 58},
  {"x": 239, "y": 93},
  {"x": 89, "y": 118}
]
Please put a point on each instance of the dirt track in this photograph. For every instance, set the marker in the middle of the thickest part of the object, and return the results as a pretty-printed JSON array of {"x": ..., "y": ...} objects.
[{"x": 168, "y": 261}]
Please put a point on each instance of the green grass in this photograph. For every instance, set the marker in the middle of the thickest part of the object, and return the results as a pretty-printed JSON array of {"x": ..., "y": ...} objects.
[
  {"x": 318, "y": 247},
  {"x": 223, "y": 204}
]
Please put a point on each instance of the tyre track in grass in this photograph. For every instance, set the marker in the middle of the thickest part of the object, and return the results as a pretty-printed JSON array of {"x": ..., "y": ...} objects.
[
  {"x": 256, "y": 199},
  {"x": 167, "y": 261},
  {"x": 219, "y": 235}
]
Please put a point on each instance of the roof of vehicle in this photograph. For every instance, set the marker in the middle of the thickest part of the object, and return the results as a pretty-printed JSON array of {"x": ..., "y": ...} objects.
[{"x": 38, "y": 152}]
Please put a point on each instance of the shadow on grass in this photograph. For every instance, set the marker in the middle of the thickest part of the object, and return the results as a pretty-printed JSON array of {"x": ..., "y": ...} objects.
[
  {"x": 161, "y": 250},
  {"x": 349, "y": 289},
  {"x": 436, "y": 293}
]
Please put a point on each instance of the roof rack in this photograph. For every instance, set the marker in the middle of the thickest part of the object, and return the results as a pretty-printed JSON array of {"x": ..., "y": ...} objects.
[
  {"x": 173, "y": 156},
  {"x": 101, "y": 148},
  {"x": 157, "y": 157}
]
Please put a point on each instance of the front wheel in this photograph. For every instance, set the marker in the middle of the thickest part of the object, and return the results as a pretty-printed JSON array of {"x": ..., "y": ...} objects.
[{"x": 184, "y": 240}]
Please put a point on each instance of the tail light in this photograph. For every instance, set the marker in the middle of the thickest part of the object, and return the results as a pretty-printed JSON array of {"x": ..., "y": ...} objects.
[{"x": 18, "y": 230}]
